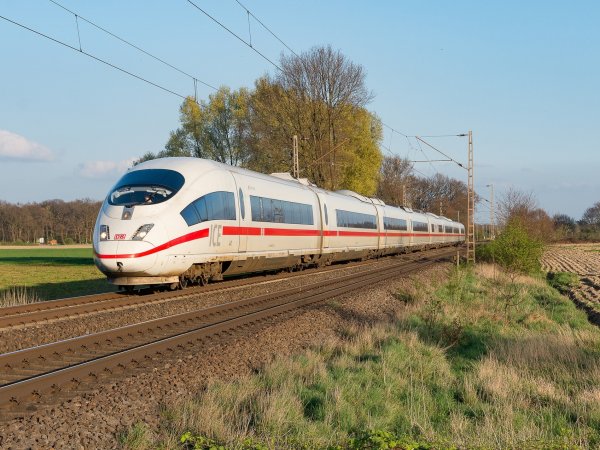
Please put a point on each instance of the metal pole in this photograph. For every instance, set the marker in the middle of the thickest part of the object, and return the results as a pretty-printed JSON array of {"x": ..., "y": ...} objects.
[
  {"x": 296, "y": 169},
  {"x": 470, "y": 206},
  {"x": 492, "y": 218}
]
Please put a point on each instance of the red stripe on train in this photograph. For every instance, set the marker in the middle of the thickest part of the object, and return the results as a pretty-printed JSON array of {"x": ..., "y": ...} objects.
[
  {"x": 256, "y": 231},
  {"x": 180, "y": 240}
]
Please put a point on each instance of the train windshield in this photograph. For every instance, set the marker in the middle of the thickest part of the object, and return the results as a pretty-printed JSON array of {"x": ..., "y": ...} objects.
[{"x": 146, "y": 187}]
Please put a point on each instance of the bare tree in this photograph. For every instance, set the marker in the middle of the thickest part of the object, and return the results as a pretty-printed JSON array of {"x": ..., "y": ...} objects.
[
  {"x": 67, "y": 222},
  {"x": 320, "y": 96},
  {"x": 591, "y": 216},
  {"x": 522, "y": 207},
  {"x": 515, "y": 204},
  {"x": 395, "y": 178}
]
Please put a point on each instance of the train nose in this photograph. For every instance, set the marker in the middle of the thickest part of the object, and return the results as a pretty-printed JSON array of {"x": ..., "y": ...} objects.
[{"x": 125, "y": 257}]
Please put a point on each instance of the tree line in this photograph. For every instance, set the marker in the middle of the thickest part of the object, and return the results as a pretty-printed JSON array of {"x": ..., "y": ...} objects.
[{"x": 65, "y": 222}]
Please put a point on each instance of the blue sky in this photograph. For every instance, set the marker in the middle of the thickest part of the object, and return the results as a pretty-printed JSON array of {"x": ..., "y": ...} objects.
[{"x": 522, "y": 75}]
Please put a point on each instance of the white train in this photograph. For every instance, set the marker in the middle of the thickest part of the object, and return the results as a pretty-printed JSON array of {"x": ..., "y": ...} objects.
[{"x": 180, "y": 220}]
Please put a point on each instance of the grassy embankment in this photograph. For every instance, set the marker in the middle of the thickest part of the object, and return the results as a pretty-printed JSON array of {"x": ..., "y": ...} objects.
[
  {"x": 473, "y": 363},
  {"x": 48, "y": 273}
]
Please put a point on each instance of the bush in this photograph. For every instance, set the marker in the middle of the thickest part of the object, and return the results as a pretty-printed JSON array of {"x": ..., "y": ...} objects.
[{"x": 515, "y": 250}]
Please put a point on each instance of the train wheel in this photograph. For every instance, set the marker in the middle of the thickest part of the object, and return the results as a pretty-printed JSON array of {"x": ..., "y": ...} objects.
[
  {"x": 183, "y": 282},
  {"x": 203, "y": 279}
]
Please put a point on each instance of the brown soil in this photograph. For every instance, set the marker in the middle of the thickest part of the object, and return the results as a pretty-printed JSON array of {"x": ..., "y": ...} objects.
[{"x": 584, "y": 261}]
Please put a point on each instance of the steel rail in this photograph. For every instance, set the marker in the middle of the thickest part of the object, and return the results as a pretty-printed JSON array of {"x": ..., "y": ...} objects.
[
  {"x": 75, "y": 306},
  {"x": 32, "y": 313},
  {"x": 22, "y": 392},
  {"x": 24, "y": 360}
]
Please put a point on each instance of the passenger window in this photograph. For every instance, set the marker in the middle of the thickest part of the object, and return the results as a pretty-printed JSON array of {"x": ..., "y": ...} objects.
[
  {"x": 190, "y": 215},
  {"x": 326, "y": 217},
  {"x": 214, "y": 206},
  {"x": 200, "y": 205},
  {"x": 280, "y": 211}
]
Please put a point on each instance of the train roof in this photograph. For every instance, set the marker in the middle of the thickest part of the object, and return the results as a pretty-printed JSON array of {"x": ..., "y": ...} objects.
[{"x": 192, "y": 168}]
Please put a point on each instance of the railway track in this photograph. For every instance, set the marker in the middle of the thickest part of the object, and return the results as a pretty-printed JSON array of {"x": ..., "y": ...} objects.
[
  {"x": 33, "y": 313},
  {"x": 35, "y": 377}
]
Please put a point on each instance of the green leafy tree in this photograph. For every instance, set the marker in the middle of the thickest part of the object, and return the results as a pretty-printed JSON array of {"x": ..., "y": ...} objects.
[
  {"x": 217, "y": 129},
  {"x": 518, "y": 252},
  {"x": 515, "y": 250}
]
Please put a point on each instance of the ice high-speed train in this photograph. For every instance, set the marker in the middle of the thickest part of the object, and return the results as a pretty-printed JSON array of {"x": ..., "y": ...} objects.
[{"x": 176, "y": 221}]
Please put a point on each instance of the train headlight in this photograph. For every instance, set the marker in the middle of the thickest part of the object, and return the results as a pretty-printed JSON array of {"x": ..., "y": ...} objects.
[
  {"x": 104, "y": 233},
  {"x": 142, "y": 232}
]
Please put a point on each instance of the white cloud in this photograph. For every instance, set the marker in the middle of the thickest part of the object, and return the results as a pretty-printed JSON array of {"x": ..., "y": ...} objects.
[
  {"x": 16, "y": 147},
  {"x": 104, "y": 169}
]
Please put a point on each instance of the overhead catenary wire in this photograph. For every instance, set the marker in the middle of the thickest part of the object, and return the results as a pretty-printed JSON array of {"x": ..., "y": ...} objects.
[
  {"x": 237, "y": 36},
  {"x": 250, "y": 13},
  {"x": 249, "y": 44},
  {"x": 419, "y": 139},
  {"x": 83, "y": 52},
  {"x": 125, "y": 41},
  {"x": 198, "y": 80},
  {"x": 426, "y": 157}
]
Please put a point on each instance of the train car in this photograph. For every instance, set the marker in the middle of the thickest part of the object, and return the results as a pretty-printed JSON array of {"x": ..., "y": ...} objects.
[{"x": 176, "y": 221}]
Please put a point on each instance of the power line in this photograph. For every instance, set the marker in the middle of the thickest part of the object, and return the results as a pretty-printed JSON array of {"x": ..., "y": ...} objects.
[
  {"x": 250, "y": 13},
  {"x": 77, "y": 16},
  {"x": 232, "y": 33},
  {"x": 426, "y": 157},
  {"x": 439, "y": 135},
  {"x": 83, "y": 52},
  {"x": 394, "y": 130},
  {"x": 441, "y": 152}
]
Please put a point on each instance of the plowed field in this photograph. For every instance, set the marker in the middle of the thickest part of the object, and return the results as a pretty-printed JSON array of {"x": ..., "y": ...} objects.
[{"x": 584, "y": 261}]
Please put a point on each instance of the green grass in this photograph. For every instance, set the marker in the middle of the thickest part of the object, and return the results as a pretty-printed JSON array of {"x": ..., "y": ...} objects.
[
  {"x": 562, "y": 281},
  {"x": 50, "y": 273},
  {"x": 460, "y": 367}
]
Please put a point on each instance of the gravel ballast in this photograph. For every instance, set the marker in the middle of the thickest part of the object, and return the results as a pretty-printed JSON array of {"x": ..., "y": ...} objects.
[{"x": 94, "y": 420}]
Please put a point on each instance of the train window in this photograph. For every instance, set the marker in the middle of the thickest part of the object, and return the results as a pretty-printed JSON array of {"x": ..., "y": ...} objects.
[
  {"x": 220, "y": 206},
  {"x": 280, "y": 211},
  {"x": 389, "y": 223},
  {"x": 200, "y": 205},
  {"x": 242, "y": 206},
  {"x": 326, "y": 218},
  {"x": 256, "y": 208},
  {"x": 145, "y": 187},
  {"x": 214, "y": 206},
  {"x": 420, "y": 226},
  {"x": 190, "y": 215},
  {"x": 350, "y": 219},
  {"x": 440, "y": 228},
  {"x": 294, "y": 211}
]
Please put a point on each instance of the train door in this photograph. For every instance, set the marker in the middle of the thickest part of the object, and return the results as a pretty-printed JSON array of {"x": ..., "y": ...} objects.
[
  {"x": 325, "y": 218},
  {"x": 243, "y": 212},
  {"x": 430, "y": 229},
  {"x": 381, "y": 240}
]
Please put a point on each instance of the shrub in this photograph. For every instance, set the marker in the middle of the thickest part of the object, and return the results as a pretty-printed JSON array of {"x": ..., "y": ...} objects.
[{"x": 516, "y": 250}]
